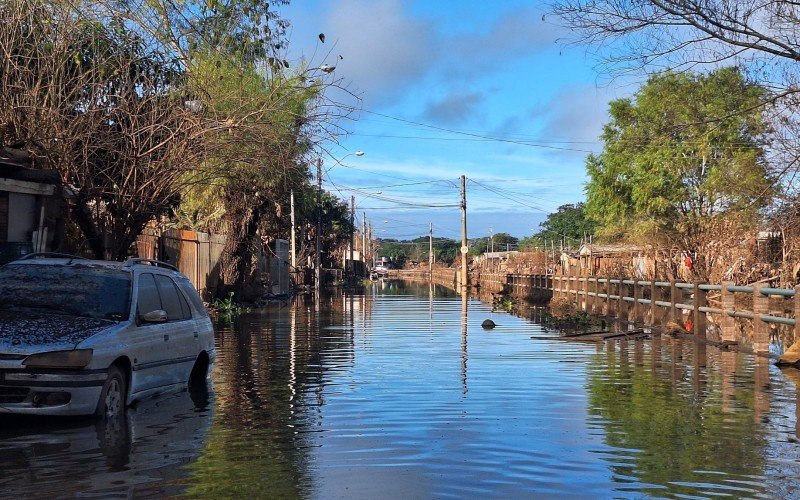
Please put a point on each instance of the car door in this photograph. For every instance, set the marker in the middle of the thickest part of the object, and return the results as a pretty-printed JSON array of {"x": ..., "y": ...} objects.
[
  {"x": 204, "y": 332},
  {"x": 151, "y": 343},
  {"x": 182, "y": 339}
]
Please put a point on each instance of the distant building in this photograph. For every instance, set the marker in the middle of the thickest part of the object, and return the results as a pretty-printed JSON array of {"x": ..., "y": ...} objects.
[
  {"x": 612, "y": 258},
  {"x": 31, "y": 207}
]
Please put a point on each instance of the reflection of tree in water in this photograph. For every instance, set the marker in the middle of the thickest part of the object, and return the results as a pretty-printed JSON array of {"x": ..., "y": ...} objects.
[
  {"x": 269, "y": 381},
  {"x": 401, "y": 287},
  {"x": 678, "y": 427}
]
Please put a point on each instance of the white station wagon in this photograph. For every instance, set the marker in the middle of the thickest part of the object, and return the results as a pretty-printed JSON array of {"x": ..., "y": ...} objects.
[{"x": 81, "y": 336}]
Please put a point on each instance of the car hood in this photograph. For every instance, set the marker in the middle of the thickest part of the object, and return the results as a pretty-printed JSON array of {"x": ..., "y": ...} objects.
[{"x": 24, "y": 332}]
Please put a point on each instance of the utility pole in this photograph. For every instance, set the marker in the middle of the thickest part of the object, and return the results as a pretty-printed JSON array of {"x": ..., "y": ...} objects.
[
  {"x": 464, "y": 247},
  {"x": 317, "y": 262},
  {"x": 364, "y": 239},
  {"x": 430, "y": 252},
  {"x": 373, "y": 246},
  {"x": 294, "y": 253},
  {"x": 352, "y": 234}
]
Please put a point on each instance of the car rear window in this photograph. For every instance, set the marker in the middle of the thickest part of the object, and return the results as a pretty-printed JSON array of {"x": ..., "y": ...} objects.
[
  {"x": 76, "y": 290},
  {"x": 171, "y": 299},
  {"x": 189, "y": 291}
]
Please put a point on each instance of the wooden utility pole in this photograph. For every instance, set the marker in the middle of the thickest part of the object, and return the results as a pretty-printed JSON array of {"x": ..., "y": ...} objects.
[
  {"x": 318, "y": 259},
  {"x": 464, "y": 246},
  {"x": 352, "y": 234},
  {"x": 430, "y": 252},
  {"x": 294, "y": 253},
  {"x": 364, "y": 239}
]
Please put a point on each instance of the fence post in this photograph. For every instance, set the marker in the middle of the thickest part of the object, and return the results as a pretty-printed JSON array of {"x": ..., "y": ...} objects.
[
  {"x": 654, "y": 293},
  {"x": 796, "y": 300},
  {"x": 674, "y": 298},
  {"x": 728, "y": 323},
  {"x": 624, "y": 307},
  {"x": 568, "y": 292},
  {"x": 637, "y": 307},
  {"x": 699, "y": 317},
  {"x": 760, "y": 328},
  {"x": 608, "y": 296},
  {"x": 618, "y": 305}
]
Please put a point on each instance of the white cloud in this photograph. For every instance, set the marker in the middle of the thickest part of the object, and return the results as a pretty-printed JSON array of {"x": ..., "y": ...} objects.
[{"x": 383, "y": 46}]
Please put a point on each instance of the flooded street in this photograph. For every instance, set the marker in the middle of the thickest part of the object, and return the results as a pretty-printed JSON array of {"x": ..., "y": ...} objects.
[{"x": 400, "y": 394}]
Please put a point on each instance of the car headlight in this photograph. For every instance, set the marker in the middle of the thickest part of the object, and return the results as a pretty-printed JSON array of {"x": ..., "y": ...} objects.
[{"x": 76, "y": 358}]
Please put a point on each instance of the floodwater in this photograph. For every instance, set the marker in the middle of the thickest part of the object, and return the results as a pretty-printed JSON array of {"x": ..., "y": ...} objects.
[{"x": 399, "y": 393}]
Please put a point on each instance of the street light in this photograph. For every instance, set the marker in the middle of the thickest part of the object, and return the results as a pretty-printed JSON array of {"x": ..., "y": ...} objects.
[{"x": 318, "y": 259}]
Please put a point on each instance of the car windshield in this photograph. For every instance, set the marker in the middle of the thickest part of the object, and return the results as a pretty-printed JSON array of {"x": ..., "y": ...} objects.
[{"x": 93, "y": 292}]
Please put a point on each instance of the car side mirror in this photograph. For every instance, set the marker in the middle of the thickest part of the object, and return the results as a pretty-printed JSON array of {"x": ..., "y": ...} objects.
[{"x": 157, "y": 316}]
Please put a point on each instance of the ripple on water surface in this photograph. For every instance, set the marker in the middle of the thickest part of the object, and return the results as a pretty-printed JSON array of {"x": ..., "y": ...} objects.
[{"x": 395, "y": 394}]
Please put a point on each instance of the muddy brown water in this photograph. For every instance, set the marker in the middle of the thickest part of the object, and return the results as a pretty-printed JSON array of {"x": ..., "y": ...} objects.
[{"x": 398, "y": 392}]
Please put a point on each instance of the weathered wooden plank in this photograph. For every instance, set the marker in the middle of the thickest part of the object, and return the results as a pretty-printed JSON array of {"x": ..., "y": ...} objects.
[{"x": 25, "y": 187}]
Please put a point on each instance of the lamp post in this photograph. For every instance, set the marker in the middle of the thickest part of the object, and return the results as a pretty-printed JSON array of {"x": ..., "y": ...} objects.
[{"x": 318, "y": 260}]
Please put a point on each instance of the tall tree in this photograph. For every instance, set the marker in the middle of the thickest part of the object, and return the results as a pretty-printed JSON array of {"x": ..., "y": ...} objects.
[
  {"x": 104, "y": 108},
  {"x": 678, "y": 35},
  {"x": 568, "y": 224},
  {"x": 685, "y": 149},
  {"x": 499, "y": 242}
]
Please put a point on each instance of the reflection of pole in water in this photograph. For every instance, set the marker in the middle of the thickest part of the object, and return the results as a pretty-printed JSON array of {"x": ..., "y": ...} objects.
[
  {"x": 677, "y": 369},
  {"x": 292, "y": 351},
  {"x": 699, "y": 360},
  {"x": 655, "y": 354},
  {"x": 352, "y": 314},
  {"x": 728, "y": 363},
  {"x": 464, "y": 315},
  {"x": 430, "y": 304},
  {"x": 762, "y": 386},
  {"x": 638, "y": 352},
  {"x": 624, "y": 363}
]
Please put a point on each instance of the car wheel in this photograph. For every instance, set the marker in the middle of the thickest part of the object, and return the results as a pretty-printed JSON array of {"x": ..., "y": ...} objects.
[
  {"x": 112, "y": 397},
  {"x": 199, "y": 374}
]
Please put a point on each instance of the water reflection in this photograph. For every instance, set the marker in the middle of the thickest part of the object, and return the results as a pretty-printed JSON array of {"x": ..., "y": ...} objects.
[
  {"x": 138, "y": 454},
  {"x": 687, "y": 423},
  {"x": 397, "y": 392}
]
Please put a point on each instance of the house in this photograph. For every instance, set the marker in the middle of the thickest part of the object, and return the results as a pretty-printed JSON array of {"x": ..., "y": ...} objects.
[
  {"x": 615, "y": 259},
  {"x": 31, "y": 207}
]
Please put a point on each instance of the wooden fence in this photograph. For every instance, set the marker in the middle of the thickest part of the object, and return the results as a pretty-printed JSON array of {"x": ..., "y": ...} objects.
[
  {"x": 690, "y": 305},
  {"x": 195, "y": 254},
  {"x": 693, "y": 306}
]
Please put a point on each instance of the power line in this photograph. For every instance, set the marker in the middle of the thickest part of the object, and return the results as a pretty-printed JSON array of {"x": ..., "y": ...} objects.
[
  {"x": 479, "y": 136},
  {"x": 511, "y": 198}
]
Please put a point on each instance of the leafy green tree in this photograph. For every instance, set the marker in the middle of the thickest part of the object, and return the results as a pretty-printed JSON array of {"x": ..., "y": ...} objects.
[
  {"x": 396, "y": 251},
  {"x": 567, "y": 223},
  {"x": 446, "y": 250},
  {"x": 500, "y": 242},
  {"x": 401, "y": 252},
  {"x": 686, "y": 149}
]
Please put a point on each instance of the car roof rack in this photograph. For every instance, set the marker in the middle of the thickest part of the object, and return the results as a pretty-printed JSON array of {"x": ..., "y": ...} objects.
[
  {"x": 152, "y": 262},
  {"x": 51, "y": 255}
]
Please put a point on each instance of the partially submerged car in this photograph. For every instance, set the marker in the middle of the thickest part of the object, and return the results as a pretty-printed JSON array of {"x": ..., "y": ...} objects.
[{"x": 81, "y": 337}]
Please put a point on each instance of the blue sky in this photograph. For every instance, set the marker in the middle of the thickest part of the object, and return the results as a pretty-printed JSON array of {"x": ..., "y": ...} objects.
[{"x": 447, "y": 88}]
